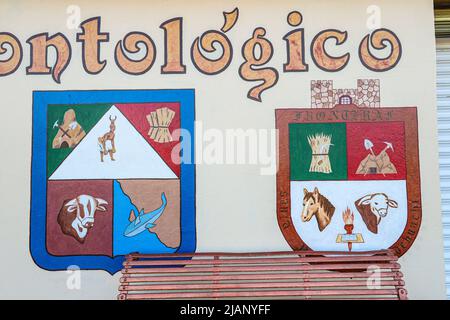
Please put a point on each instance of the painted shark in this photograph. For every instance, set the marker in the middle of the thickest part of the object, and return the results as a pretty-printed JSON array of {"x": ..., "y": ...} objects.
[{"x": 144, "y": 220}]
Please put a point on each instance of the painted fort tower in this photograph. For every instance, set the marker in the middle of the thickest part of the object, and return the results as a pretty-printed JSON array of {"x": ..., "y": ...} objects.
[{"x": 366, "y": 94}]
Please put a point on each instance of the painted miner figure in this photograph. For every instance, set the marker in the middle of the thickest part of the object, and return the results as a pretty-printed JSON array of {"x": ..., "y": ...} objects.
[{"x": 106, "y": 142}]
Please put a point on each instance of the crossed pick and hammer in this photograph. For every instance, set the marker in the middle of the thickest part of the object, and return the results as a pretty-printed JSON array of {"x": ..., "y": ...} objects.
[
  {"x": 64, "y": 132},
  {"x": 369, "y": 146}
]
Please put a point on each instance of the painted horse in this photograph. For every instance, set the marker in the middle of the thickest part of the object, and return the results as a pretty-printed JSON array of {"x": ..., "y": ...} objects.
[{"x": 315, "y": 204}]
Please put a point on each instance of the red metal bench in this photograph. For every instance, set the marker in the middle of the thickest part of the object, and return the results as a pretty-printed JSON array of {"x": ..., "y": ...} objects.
[{"x": 286, "y": 275}]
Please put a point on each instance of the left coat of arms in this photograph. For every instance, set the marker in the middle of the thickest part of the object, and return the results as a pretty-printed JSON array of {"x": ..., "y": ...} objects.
[{"x": 102, "y": 185}]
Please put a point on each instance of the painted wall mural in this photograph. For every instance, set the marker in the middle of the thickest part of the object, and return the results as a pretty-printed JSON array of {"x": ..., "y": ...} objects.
[
  {"x": 105, "y": 179},
  {"x": 348, "y": 175}
]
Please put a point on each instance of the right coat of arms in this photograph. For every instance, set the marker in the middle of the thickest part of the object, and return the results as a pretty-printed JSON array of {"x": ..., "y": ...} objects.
[{"x": 348, "y": 174}]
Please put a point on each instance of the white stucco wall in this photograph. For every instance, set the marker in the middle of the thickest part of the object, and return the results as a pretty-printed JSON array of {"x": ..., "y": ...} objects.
[{"x": 236, "y": 206}]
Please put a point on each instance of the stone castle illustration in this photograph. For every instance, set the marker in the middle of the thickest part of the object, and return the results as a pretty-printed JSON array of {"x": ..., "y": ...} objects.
[{"x": 366, "y": 94}]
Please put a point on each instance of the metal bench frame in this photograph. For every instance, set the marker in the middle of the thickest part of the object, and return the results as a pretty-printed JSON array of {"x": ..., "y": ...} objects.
[{"x": 286, "y": 275}]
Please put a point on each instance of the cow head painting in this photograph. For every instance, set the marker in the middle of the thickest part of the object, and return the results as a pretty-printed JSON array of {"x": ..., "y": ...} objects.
[
  {"x": 373, "y": 207},
  {"x": 315, "y": 204},
  {"x": 76, "y": 216}
]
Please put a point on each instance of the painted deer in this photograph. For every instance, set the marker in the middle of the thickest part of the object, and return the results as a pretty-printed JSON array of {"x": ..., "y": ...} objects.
[
  {"x": 315, "y": 204},
  {"x": 107, "y": 141}
]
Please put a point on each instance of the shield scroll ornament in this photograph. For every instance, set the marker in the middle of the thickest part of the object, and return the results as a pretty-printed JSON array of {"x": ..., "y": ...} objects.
[{"x": 348, "y": 178}]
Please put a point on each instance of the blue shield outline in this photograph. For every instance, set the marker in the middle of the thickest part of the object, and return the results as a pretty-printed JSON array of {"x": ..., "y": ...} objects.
[{"x": 38, "y": 206}]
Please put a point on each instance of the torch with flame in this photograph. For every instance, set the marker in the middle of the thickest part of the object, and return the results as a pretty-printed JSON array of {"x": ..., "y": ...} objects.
[
  {"x": 348, "y": 217},
  {"x": 349, "y": 237}
]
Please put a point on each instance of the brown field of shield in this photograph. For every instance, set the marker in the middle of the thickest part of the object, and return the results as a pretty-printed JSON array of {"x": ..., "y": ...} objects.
[
  {"x": 98, "y": 240},
  {"x": 145, "y": 194}
]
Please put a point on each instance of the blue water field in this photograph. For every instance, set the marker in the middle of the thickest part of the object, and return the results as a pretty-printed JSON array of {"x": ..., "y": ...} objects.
[{"x": 144, "y": 242}]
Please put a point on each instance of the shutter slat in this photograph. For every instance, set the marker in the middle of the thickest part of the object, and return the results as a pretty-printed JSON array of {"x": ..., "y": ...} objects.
[{"x": 443, "y": 107}]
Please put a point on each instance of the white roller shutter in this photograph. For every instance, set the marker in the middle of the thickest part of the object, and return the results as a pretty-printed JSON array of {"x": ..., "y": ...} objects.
[{"x": 443, "y": 104}]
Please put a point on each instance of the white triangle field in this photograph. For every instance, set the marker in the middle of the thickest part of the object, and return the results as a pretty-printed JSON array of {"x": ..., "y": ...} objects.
[{"x": 134, "y": 157}]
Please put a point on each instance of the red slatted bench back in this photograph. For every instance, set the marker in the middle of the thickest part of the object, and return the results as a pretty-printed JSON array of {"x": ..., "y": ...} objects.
[{"x": 285, "y": 275}]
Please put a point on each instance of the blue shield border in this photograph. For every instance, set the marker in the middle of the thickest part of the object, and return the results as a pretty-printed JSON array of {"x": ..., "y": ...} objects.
[{"x": 38, "y": 212}]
